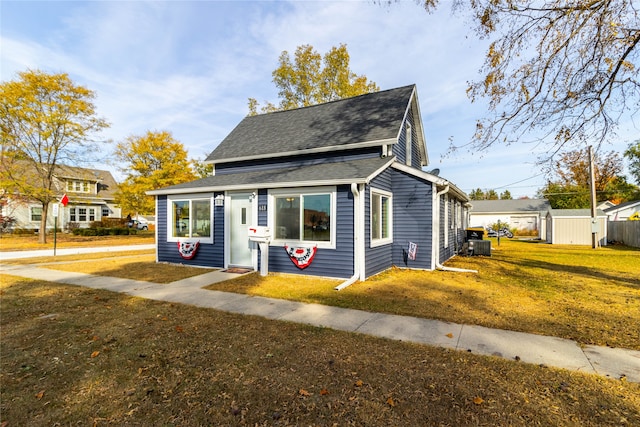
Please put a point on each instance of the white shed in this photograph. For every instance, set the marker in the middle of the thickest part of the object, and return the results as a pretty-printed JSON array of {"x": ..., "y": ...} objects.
[{"x": 574, "y": 227}]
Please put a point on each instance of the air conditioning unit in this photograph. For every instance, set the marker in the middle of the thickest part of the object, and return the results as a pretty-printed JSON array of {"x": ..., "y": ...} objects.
[{"x": 480, "y": 247}]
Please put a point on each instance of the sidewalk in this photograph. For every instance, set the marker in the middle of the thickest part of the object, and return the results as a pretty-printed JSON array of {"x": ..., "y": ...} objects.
[{"x": 529, "y": 348}]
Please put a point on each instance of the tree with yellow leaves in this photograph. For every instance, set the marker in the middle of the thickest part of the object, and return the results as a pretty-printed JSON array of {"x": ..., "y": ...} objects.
[
  {"x": 312, "y": 79},
  {"x": 45, "y": 120},
  {"x": 150, "y": 161}
]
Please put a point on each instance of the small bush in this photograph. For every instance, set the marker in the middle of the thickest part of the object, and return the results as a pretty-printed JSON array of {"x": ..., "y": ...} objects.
[{"x": 72, "y": 226}]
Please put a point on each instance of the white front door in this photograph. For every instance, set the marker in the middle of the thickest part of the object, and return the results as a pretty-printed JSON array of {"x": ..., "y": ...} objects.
[{"x": 240, "y": 218}]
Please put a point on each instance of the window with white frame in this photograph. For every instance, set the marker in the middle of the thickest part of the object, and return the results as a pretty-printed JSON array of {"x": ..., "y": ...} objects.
[
  {"x": 105, "y": 211},
  {"x": 303, "y": 215},
  {"x": 79, "y": 186},
  {"x": 381, "y": 217},
  {"x": 190, "y": 217},
  {"x": 36, "y": 213},
  {"x": 82, "y": 214}
]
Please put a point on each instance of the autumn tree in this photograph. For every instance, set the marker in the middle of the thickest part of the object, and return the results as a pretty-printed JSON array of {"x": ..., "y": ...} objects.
[
  {"x": 479, "y": 194},
  {"x": 632, "y": 153},
  {"x": 150, "y": 161},
  {"x": 45, "y": 120},
  {"x": 506, "y": 195},
  {"x": 476, "y": 194},
  {"x": 312, "y": 79},
  {"x": 569, "y": 188},
  {"x": 563, "y": 72},
  {"x": 200, "y": 168}
]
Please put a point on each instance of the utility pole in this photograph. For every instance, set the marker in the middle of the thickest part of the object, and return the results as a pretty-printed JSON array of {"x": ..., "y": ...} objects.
[{"x": 594, "y": 218}]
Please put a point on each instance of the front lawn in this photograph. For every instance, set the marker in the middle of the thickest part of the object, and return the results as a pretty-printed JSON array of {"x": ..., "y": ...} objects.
[
  {"x": 575, "y": 292},
  {"x": 24, "y": 242},
  {"x": 590, "y": 296},
  {"x": 80, "y": 356}
]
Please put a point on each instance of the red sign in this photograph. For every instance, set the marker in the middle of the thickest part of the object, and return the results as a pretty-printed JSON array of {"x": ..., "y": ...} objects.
[{"x": 64, "y": 200}]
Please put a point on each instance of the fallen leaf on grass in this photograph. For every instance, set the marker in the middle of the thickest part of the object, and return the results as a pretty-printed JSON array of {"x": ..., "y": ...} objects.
[
  {"x": 324, "y": 392},
  {"x": 95, "y": 354},
  {"x": 359, "y": 383},
  {"x": 391, "y": 402},
  {"x": 478, "y": 400},
  {"x": 40, "y": 395},
  {"x": 304, "y": 392},
  {"x": 179, "y": 329}
]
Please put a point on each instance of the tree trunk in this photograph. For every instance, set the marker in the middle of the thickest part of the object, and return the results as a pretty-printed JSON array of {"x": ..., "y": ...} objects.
[{"x": 42, "y": 235}]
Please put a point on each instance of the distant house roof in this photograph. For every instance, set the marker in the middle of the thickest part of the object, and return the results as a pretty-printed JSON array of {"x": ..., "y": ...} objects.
[
  {"x": 511, "y": 206},
  {"x": 574, "y": 213},
  {"x": 346, "y": 172},
  {"x": 372, "y": 119},
  {"x": 108, "y": 184},
  {"x": 622, "y": 206}
]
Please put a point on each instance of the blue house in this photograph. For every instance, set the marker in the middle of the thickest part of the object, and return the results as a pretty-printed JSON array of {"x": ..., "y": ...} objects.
[{"x": 339, "y": 185}]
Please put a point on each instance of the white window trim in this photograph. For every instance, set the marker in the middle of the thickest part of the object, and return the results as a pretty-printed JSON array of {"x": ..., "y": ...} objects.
[
  {"x": 387, "y": 240},
  {"x": 170, "y": 219},
  {"x": 409, "y": 144},
  {"x": 310, "y": 191},
  {"x": 31, "y": 208},
  {"x": 446, "y": 221}
]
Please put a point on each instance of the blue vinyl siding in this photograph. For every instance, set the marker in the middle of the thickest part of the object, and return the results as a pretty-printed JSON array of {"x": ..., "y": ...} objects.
[
  {"x": 379, "y": 258},
  {"x": 327, "y": 262},
  {"x": 208, "y": 255},
  {"x": 400, "y": 149},
  {"x": 454, "y": 229},
  {"x": 413, "y": 220},
  {"x": 308, "y": 160}
]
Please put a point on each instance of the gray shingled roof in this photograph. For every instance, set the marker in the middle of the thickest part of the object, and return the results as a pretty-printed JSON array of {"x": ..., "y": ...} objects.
[
  {"x": 335, "y": 125},
  {"x": 622, "y": 206},
  {"x": 346, "y": 172},
  {"x": 517, "y": 205}
]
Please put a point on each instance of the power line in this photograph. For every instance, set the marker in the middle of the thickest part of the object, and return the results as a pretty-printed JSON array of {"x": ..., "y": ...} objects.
[{"x": 518, "y": 182}]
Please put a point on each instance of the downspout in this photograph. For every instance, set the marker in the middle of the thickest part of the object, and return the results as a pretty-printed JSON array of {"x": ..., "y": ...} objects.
[
  {"x": 356, "y": 239},
  {"x": 437, "y": 237}
]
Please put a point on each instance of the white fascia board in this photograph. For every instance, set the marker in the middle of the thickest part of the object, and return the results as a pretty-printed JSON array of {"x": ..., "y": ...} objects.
[
  {"x": 333, "y": 148},
  {"x": 253, "y": 186},
  {"x": 420, "y": 129},
  {"x": 381, "y": 169},
  {"x": 413, "y": 102}
]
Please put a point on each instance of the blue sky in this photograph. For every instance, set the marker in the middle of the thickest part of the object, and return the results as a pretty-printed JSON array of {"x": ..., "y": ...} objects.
[{"x": 189, "y": 68}]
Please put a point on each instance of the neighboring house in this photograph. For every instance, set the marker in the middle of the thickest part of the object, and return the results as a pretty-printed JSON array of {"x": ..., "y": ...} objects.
[
  {"x": 623, "y": 211},
  {"x": 339, "y": 185},
  {"x": 575, "y": 227},
  {"x": 521, "y": 214},
  {"x": 91, "y": 194},
  {"x": 604, "y": 205}
]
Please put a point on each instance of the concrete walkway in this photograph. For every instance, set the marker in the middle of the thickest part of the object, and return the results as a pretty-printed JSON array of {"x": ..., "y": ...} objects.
[{"x": 540, "y": 350}]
